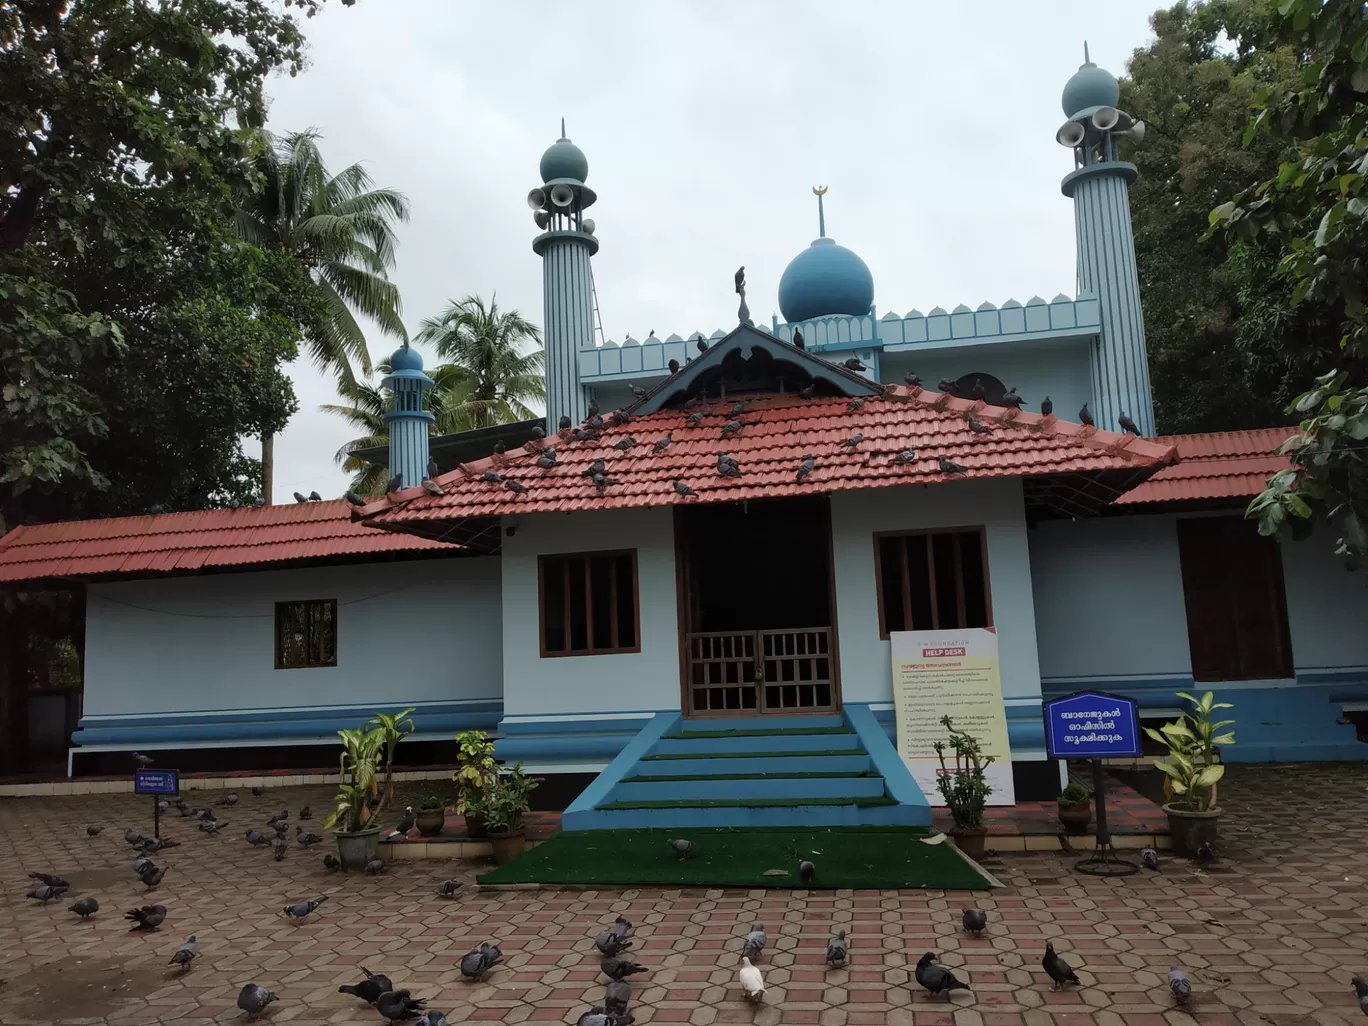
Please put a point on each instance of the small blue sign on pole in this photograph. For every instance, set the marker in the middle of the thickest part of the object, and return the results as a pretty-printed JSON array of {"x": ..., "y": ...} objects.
[
  {"x": 156, "y": 782},
  {"x": 1092, "y": 725}
]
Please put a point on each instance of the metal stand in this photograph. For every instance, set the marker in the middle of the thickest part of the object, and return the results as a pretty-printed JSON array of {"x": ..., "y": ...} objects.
[
  {"x": 156, "y": 817},
  {"x": 1104, "y": 861}
]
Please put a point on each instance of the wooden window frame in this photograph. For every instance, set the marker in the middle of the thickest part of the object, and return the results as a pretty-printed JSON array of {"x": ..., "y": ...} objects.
[
  {"x": 279, "y": 608},
  {"x": 588, "y": 604},
  {"x": 978, "y": 529}
]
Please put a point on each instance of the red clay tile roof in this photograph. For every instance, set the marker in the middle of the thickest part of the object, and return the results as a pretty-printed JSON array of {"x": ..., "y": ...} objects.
[
  {"x": 193, "y": 541},
  {"x": 779, "y": 430},
  {"x": 1220, "y": 465}
]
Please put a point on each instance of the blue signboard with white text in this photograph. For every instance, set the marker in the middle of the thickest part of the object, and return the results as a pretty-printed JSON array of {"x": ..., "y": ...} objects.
[
  {"x": 1092, "y": 725},
  {"x": 156, "y": 781}
]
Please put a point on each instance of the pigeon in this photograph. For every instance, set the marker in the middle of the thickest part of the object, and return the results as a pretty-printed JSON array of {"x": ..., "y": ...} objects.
[
  {"x": 402, "y": 828},
  {"x": 978, "y": 392},
  {"x": 84, "y": 907},
  {"x": 597, "y": 467},
  {"x": 185, "y": 954},
  {"x": 694, "y": 418},
  {"x": 354, "y": 498},
  {"x": 619, "y": 968},
  {"x": 140, "y": 864},
  {"x": 374, "y": 867},
  {"x": 740, "y": 278},
  {"x": 1149, "y": 858},
  {"x": 702, "y": 344},
  {"x": 905, "y": 456},
  {"x": 807, "y": 391},
  {"x": 1361, "y": 989},
  {"x": 911, "y": 380},
  {"x": 1085, "y": 418},
  {"x": 143, "y": 761},
  {"x": 256, "y": 837},
  {"x": 563, "y": 424},
  {"x": 257, "y": 792},
  {"x": 937, "y": 979},
  {"x": 279, "y": 847},
  {"x": 212, "y": 826},
  {"x": 478, "y": 962},
  {"x": 369, "y": 989},
  {"x": 838, "y": 950},
  {"x": 253, "y": 1000},
  {"x": 161, "y": 844},
  {"x": 593, "y": 409},
  {"x": 739, "y": 408},
  {"x": 617, "y": 996},
  {"x": 602, "y": 481},
  {"x": 614, "y": 940},
  {"x": 432, "y": 487},
  {"x": 755, "y": 941},
  {"x": 547, "y": 459},
  {"x": 307, "y": 838},
  {"x": 93, "y": 830},
  {"x": 637, "y": 391},
  {"x": 727, "y": 465},
  {"x": 807, "y": 872},
  {"x": 395, "y": 483},
  {"x": 45, "y": 893},
  {"x": 148, "y": 917},
  {"x": 332, "y": 863},
  {"x": 278, "y": 816},
  {"x": 674, "y": 366},
  {"x": 1058, "y": 970},
  {"x": 1180, "y": 983},
  {"x": 684, "y": 849},
  {"x": 662, "y": 444},
  {"x": 854, "y": 364},
  {"x": 228, "y": 799},
  {"x": 623, "y": 444},
  {"x": 492, "y": 476},
  {"x": 853, "y": 442},
  {"x": 49, "y": 879},
  {"x": 975, "y": 920},
  {"x": 683, "y": 490},
  {"x": 306, "y": 813},
  {"x": 797, "y": 339},
  {"x": 432, "y": 1017},
  {"x": 805, "y": 467},
  {"x": 1011, "y": 399},
  {"x": 1127, "y": 424},
  {"x": 302, "y": 909},
  {"x": 499, "y": 447},
  {"x": 315, "y": 497},
  {"x": 448, "y": 888},
  {"x": 1205, "y": 855},
  {"x": 946, "y": 386},
  {"x": 596, "y": 1016},
  {"x": 855, "y": 404},
  {"x": 152, "y": 876},
  {"x": 163, "y": 806},
  {"x": 396, "y": 1005},
  {"x": 619, "y": 417},
  {"x": 752, "y": 983},
  {"x": 537, "y": 432},
  {"x": 732, "y": 428},
  {"x": 1046, "y": 407},
  {"x": 133, "y": 837},
  {"x": 979, "y": 429},
  {"x": 948, "y": 466}
]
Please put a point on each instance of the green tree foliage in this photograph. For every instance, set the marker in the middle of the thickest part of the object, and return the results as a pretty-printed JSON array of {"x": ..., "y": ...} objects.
[
  {"x": 1313, "y": 212},
  {"x": 1228, "y": 349}
]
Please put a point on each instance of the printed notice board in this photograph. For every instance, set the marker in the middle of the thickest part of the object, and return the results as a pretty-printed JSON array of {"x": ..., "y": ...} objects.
[
  {"x": 1091, "y": 725},
  {"x": 156, "y": 782},
  {"x": 951, "y": 673}
]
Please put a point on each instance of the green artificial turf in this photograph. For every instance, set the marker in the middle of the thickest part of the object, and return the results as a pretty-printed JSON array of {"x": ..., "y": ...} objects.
[
  {"x": 759, "y": 732},
  {"x": 652, "y": 778},
  {"x": 753, "y": 755},
  {"x": 856, "y": 857},
  {"x": 733, "y": 803}
]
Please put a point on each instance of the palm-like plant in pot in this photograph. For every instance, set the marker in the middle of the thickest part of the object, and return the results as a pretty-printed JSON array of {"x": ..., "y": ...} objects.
[
  {"x": 502, "y": 804},
  {"x": 475, "y": 769},
  {"x": 965, "y": 787},
  {"x": 357, "y": 840},
  {"x": 1192, "y": 769},
  {"x": 393, "y": 728}
]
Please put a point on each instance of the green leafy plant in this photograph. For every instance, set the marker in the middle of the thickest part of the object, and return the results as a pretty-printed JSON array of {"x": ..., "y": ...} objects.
[
  {"x": 475, "y": 769},
  {"x": 393, "y": 728},
  {"x": 964, "y": 788},
  {"x": 1192, "y": 768},
  {"x": 431, "y": 804},
  {"x": 505, "y": 799},
  {"x": 1075, "y": 794},
  {"x": 359, "y": 762}
]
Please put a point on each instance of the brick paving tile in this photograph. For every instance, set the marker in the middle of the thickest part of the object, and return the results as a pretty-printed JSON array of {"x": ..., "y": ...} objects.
[{"x": 1282, "y": 907}]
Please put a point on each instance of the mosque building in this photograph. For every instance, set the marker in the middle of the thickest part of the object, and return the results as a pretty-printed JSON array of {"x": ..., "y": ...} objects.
[{"x": 712, "y": 543}]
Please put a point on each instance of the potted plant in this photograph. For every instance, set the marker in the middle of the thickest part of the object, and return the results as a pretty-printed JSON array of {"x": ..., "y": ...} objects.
[
  {"x": 431, "y": 816},
  {"x": 1191, "y": 770},
  {"x": 503, "y": 803},
  {"x": 393, "y": 727},
  {"x": 475, "y": 768},
  {"x": 1075, "y": 809},
  {"x": 964, "y": 788},
  {"x": 357, "y": 841}
]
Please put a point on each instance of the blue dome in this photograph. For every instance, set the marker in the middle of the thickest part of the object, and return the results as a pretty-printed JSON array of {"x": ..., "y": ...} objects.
[
  {"x": 1090, "y": 86},
  {"x": 823, "y": 280},
  {"x": 564, "y": 160},
  {"x": 405, "y": 359}
]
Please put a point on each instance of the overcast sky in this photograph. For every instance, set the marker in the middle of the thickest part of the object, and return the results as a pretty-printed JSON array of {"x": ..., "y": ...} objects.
[{"x": 706, "y": 124}]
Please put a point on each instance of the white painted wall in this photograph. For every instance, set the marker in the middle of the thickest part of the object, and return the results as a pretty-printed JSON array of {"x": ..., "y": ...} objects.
[
  {"x": 1109, "y": 600},
  {"x": 997, "y": 506},
  {"x": 629, "y": 682},
  {"x": 418, "y": 631}
]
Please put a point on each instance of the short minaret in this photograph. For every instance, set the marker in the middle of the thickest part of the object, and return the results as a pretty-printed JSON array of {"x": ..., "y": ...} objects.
[
  {"x": 1099, "y": 185},
  {"x": 408, "y": 422},
  {"x": 565, "y": 246}
]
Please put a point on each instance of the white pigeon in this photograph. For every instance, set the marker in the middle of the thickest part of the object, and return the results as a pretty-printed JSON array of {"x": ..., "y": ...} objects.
[{"x": 752, "y": 983}]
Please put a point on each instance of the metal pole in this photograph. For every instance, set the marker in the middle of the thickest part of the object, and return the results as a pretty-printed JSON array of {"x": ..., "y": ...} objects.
[
  {"x": 156, "y": 817},
  {"x": 1100, "y": 803}
]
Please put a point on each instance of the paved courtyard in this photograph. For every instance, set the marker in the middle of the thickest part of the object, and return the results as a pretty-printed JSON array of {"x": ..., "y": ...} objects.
[{"x": 1271, "y": 936}]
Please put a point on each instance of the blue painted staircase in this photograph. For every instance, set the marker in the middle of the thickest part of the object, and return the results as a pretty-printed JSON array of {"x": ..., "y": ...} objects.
[{"x": 762, "y": 772}]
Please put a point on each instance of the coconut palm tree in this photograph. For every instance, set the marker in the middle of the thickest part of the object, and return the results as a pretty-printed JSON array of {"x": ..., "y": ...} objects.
[
  {"x": 501, "y": 351},
  {"x": 342, "y": 230}
]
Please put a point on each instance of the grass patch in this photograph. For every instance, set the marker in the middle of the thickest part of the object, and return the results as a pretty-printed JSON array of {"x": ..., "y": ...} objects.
[
  {"x": 759, "y": 732},
  {"x": 750, "y": 803},
  {"x": 753, "y": 755},
  {"x": 652, "y": 778},
  {"x": 857, "y": 857}
]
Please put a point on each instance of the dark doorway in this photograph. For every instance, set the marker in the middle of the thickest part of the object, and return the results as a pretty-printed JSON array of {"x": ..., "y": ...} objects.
[{"x": 758, "y": 627}]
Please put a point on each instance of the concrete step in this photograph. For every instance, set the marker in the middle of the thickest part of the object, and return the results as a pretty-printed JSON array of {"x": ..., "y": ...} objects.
[
  {"x": 766, "y": 744},
  {"x": 768, "y": 787},
  {"x": 776, "y": 764},
  {"x": 761, "y": 723},
  {"x": 682, "y": 818}
]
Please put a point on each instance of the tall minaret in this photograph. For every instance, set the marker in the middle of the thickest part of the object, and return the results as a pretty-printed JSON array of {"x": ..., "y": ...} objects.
[
  {"x": 565, "y": 246},
  {"x": 408, "y": 422},
  {"x": 1099, "y": 185}
]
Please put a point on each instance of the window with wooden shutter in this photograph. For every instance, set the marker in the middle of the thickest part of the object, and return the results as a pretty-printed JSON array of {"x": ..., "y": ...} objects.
[
  {"x": 306, "y": 634},
  {"x": 1236, "y": 606},
  {"x": 930, "y": 580},
  {"x": 589, "y": 603}
]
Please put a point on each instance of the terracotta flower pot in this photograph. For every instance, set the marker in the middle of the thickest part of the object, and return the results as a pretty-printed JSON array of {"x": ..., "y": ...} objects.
[
  {"x": 358, "y": 848},
  {"x": 506, "y": 846},
  {"x": 1190, "y": 830},
  {"x": 970, "y": 841},
  {"x": 475, "y": 828},
  {"x": 430, "y": 821},
  {"x": 1074, "y": 818}
]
